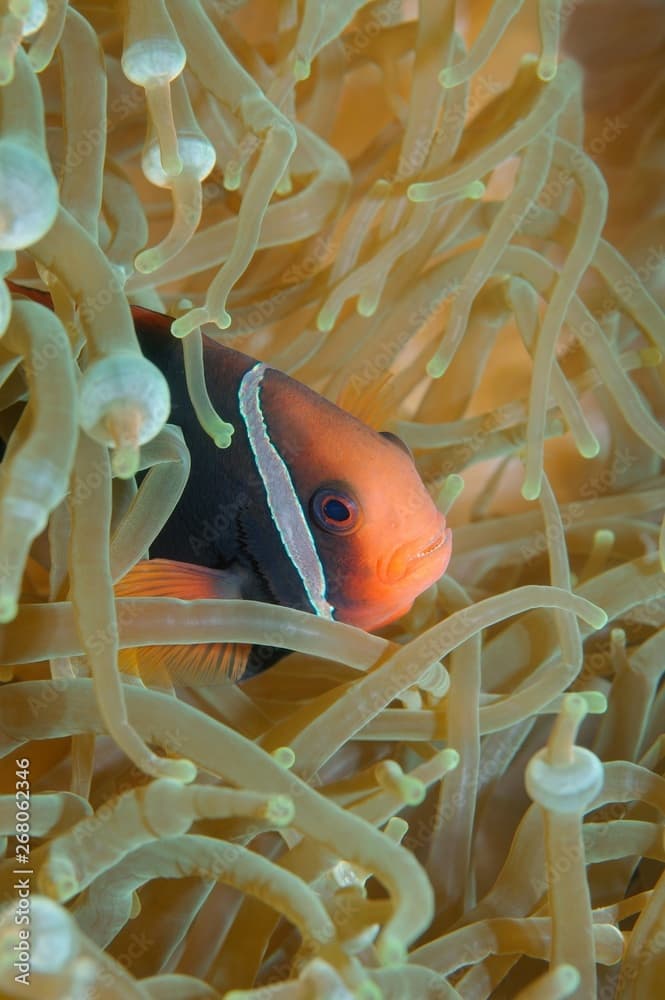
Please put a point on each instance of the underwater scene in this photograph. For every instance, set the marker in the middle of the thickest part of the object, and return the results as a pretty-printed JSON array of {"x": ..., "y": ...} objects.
[{"x": 332, "y": 551}]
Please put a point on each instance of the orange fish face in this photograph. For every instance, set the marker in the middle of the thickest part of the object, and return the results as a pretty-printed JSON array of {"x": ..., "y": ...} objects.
[{"x": 379, "y": 537}]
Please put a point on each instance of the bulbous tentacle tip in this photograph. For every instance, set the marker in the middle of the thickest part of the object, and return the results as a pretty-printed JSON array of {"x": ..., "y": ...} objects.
[
  {"x": 564, "y": 778},
  {"x": 124, "y": 402},
  {"x": 8, "y": 608}
]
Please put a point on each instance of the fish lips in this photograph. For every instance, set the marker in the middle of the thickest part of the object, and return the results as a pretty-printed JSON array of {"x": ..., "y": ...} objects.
[{"x": 428, "y": 559}]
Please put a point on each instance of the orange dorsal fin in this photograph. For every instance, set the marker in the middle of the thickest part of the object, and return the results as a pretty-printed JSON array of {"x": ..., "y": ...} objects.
[
  {"x": 195, "y": 665},
  {"x": 371, "y": 404}
]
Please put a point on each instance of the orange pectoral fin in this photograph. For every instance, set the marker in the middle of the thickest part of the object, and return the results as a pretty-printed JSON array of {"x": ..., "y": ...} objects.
[
  {"x": 168, "y": 578},
  {"x": 191, "y": 665}
]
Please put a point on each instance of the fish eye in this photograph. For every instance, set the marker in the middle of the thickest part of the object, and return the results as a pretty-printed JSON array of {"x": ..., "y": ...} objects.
[
  {"x": 334, "y": 511},
  {"x": 398, "y": 441}
]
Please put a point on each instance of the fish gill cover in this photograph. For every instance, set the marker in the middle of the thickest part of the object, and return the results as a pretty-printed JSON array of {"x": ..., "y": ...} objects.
[{"x": 448, "y": 217}]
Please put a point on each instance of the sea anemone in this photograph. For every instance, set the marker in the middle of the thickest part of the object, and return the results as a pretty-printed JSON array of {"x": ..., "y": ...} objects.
[{"x": 448, "y": 218}]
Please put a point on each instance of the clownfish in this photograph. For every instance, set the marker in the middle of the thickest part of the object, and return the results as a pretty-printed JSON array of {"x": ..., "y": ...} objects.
[{"x": 308, "y": 507}]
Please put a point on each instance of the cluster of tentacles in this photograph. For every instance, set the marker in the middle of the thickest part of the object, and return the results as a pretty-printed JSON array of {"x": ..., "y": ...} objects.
[{"x": 446, "y": 217}]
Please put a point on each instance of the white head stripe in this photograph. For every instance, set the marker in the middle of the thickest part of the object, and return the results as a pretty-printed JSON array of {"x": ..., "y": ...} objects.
[{"x": 283, "y": 501}]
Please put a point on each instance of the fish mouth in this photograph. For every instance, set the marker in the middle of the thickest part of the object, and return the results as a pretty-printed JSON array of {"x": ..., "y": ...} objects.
[
  {"x": 407, "y": 562},
  {"x": 432, "y": 546}
]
